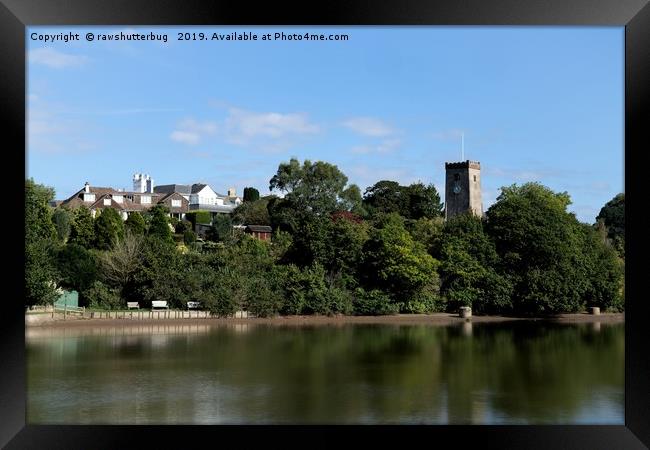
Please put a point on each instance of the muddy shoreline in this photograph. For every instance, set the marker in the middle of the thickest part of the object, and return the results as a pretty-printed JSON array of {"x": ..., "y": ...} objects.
[{"x": 401, "y": 319}]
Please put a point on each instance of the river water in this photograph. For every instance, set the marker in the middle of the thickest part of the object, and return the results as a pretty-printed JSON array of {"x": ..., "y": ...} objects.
[{"x": 524, "y": 372}]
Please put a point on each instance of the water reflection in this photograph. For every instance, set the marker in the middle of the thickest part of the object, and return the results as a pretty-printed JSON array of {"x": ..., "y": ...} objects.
[{"x": 518, "y": 372}]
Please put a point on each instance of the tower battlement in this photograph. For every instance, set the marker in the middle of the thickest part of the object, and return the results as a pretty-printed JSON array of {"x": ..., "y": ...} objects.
[{"x": 463, "y": 165}]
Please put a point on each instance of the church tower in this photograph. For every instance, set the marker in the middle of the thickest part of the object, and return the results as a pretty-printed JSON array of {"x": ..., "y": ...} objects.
[{"x": 463, "y": 188}]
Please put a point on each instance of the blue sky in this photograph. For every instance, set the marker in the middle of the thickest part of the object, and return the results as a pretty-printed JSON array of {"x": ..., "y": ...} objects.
[{"x": 539, "y": 104}]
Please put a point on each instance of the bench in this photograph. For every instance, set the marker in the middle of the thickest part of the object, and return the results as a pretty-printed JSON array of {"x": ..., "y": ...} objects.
[
  {"x": 193, "y": 305},
  {"x": 133, "y": 305},
  {"x": 159, "y": 304}
]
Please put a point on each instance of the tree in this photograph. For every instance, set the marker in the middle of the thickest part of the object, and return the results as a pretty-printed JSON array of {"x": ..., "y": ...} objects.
[
  {"x": 40, "y": 233},
  {"x": 135, "y": 223},
  {"x": 542, "y": 249},
  {"x": 423, "y": 201},
  {"x": 612, "y": 215},
  {"x": 384, "y": 197},
  {"x": 159, "y": 224},
  {"x": 412, "y": 202},
  {"x": 352, "y": 201},
  {"x": 221, "y": 229},
  {"x": 109, "y": 228},
  {"x": 253, "y": 212},
  {"x": 313, "y": 187},
  {"x": 82, "y": 228},
  {"x": 251, "y": 194},
  {"x": 121, "y": 264},
  {"x": 77, "y": 268},
  {"x": 62, "y": 219},
  {"x": 468, "y": 260},
  {"x": 393, "y": 262}
]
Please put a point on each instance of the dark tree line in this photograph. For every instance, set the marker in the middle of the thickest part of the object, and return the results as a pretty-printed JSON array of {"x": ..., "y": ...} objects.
[{"x": 335, "y": 251}]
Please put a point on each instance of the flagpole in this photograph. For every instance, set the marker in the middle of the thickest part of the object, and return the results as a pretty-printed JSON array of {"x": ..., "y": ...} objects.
[{"x": 462, "y": 146}]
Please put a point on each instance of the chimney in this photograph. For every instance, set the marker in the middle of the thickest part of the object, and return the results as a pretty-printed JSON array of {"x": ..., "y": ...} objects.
[
  {"x": 150, "y": 184},
  {"x": 87, "y": 188}
]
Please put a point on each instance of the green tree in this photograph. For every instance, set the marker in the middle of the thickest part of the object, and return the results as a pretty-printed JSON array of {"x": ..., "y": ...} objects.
[
  {"x": 314, "y": 187},
  {"x": 62, "y": 219},
  {"x": 251, "y": 194},
  {"x": 109, "y": 228},
  {"x": 189, "y": 237},
  {"x": 40, "y": 273},
  {"x": 468, "y": 260},
  {"x": 159, "y": 223},
  {"x": 77, "y": 268},
  {"x": 541, "y": 248},
  {"x": 351, "y": 200},
  {"x": 413, "y": 202},
  {"x": 384, "y": 197},
  {"x": 82, "y": 228},
  {"x": 221, "y": 229},
  {"x": 253, "y": 212},
  {"x": 393, "y": 262},
  {"x": 135, "y": 223},
  {"x": 422, "y": 201},
  {"x": 612, "y": 215}
]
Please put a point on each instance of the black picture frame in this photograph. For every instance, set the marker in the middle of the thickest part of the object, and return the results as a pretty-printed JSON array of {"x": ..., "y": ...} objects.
[{"x": 15, "y": 15}]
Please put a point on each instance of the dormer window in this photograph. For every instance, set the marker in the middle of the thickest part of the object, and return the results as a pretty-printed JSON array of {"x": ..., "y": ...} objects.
[
  {"x": 176, "y": 203},
  {"x": 89, "y": 197},
  {"x": 107, "y": 202},
  {"x": 145, "y": 199}
]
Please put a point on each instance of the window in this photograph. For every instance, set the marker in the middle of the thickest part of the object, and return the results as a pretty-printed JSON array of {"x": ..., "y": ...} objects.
[
  {"x": 176, "y": 203},
  {"x": 107, "y": 202},
  {"x": 474, "y": 178},
  {"x": 145, "y": 199},
  {"x": 89, "y": 197},
  {"x": 456, "y": 176}
]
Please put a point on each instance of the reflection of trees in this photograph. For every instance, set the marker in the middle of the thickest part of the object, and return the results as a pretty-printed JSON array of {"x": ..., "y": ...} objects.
[{"x": 538, "y": 373}]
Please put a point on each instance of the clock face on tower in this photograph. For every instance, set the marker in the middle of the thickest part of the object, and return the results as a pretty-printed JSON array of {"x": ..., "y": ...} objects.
[{"x": 456, "y": 188}]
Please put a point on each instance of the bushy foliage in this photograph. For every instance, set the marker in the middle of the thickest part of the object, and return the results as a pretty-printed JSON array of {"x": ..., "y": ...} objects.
[
  {"x": 372, "y": 303},
  {"x": 109, "y": 228},
  {"x": 62, "y": 219},
  {"x": 135, "y": 223},
  {"x": 251, "y": 194},
  {"x": 333, "y": 252},
  {"x": 159, "y": 223},
  {"x": 82, "y": 228},
  {"x": 612, "y": 216},
  {"x": 40, "y": 233},
  {"x": 100, "y": 296}
]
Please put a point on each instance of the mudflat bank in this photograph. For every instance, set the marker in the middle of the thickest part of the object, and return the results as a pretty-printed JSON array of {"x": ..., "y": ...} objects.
[{"x": 401, "y": 319}]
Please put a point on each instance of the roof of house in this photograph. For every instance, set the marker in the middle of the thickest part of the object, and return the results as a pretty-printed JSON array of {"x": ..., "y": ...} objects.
[
  {"x": 197, "y": 187},
  {"x": 169, "y": 188},
  {"x": 259, "y": 228}
]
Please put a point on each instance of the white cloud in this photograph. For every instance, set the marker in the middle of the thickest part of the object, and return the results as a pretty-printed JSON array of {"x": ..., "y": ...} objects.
[
  {"x": 55, "y": 59},
  {"x": 186, "y": 137},
  {"x": 241, "y": 126},
  {"x": 368, "y": 126},
  {"x": 385, "y": 146},
  {"x": 191, "y": 132}
]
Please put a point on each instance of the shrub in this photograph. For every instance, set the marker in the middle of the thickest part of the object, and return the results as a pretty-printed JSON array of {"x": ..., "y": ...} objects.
[
  {"x": 372, "y": 303},
  {"x": 189, "y": 237},
  {"x": 102, "y": 297}
]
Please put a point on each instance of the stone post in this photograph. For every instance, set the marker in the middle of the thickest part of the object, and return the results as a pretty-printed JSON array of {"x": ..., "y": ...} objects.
[
  {"x": 465, "y": 312},
  {"x": 594, "y": 310}
]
